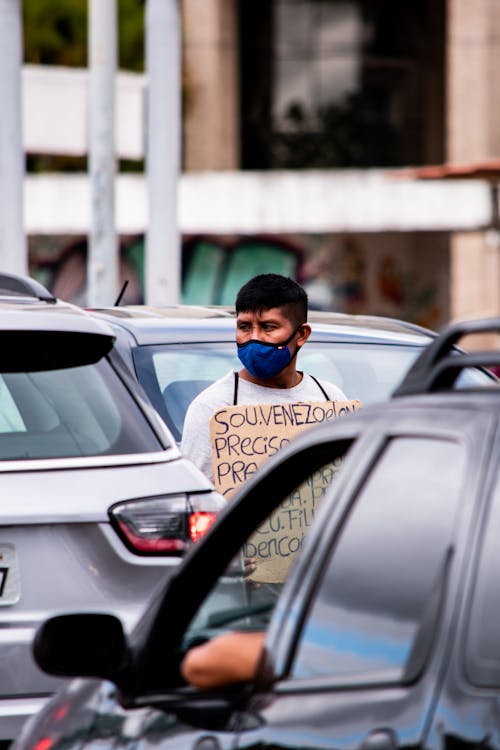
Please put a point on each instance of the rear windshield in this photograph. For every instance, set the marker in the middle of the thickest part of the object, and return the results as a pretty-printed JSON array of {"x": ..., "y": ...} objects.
[{"x": 76, "y": 411}]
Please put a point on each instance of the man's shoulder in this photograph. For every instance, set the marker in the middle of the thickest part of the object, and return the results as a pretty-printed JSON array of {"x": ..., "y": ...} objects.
[{"x": 333, "y": 391}]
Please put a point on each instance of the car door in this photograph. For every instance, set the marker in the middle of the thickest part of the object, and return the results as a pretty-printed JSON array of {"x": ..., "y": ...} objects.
[
  {"x": 358, "y": 643},
  {"x": 209, "y": 720},
  {"x": 146, "y": 705},
  {"x": 357, "y": 631},
  {"x": 467, "y": 715}
]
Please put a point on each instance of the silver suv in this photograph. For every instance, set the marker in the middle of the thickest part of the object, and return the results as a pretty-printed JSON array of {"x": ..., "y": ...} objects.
[{"x": 96, "y": 500}]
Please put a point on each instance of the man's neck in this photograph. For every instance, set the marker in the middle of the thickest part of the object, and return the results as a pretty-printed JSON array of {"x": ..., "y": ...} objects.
[{"x": 287, "y": 378}]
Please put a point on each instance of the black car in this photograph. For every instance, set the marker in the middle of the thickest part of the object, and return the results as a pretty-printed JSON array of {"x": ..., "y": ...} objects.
[{"x": 382, "y": 635}]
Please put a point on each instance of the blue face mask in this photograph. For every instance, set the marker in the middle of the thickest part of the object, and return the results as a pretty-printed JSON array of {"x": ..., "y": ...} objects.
[{"x": 263, "y": 360}]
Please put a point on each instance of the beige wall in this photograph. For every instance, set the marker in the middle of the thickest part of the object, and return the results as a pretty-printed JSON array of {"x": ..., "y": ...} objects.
[
  {"x": 473, "y": 134},
  {"x": 473, "y": 83},
  {"x": 211, "y": 119}
]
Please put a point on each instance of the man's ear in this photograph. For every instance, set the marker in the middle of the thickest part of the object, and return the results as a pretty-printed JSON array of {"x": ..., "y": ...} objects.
[{"x": 304, "y": 333}]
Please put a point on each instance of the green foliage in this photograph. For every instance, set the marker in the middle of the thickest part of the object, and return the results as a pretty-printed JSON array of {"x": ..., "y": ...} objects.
[
  {"x": 55, "y": 32},
  {"x": 131, "y": 34}
]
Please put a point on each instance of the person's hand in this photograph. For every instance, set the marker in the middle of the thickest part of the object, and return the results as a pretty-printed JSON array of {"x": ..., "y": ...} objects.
[{"x": 249, "y": 566}]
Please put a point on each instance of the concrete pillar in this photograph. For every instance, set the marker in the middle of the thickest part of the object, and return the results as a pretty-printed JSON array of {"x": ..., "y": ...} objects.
[
  {"x": 473, "y": 134},
  {"x": 163, "y": 62},
  {"x": 211, "y": 85},
  {"x": 102, "y": 260},
  {"x": 474, "y": 275},
  {"x": 473, "y": 85},
  {"x": 13, "y": 250}
]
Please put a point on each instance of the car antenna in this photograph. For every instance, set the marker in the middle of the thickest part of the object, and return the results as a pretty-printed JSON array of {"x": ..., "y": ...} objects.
[{"x": 122, "y": 292}]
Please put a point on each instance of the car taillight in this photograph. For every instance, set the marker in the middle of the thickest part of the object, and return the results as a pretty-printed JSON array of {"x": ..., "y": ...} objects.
[
  {"x": 44, "y": 743},
  {"x": 165, "y": 525},
  {"x": 199, "y": 524},
  {"x": 50, "y": 729}
]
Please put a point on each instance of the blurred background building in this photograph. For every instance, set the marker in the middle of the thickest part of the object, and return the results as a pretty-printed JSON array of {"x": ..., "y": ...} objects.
[{"x": 300, "y": 121}]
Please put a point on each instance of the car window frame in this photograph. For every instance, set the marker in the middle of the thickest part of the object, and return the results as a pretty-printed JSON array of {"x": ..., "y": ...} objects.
[
  {"x": 138, "y": 394},
  {"x": 205, "y": 562},
  {"x": 284, "y": 631}
]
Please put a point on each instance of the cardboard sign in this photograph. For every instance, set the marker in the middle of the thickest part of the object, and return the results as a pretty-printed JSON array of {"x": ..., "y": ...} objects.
[
  {"x": 243, "y": 437},
  {"x": 274, "y": 545}
]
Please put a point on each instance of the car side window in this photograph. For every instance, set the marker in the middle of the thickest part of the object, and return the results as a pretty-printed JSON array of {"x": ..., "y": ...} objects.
[
  {"x": 482, "y": 650},
  {"x": 246, "y": 592},
  {"x": 173, "y": 375},
  {"x": 386, "y": 575},
  {"x": 10, "y": 416}
]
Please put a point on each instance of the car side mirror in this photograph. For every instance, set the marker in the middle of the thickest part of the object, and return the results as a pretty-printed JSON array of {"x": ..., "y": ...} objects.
[{"x": 81, "y": 645}]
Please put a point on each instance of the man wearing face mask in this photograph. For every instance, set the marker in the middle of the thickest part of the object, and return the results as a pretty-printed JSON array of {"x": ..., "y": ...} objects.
[{"x": 271, "y": 328}]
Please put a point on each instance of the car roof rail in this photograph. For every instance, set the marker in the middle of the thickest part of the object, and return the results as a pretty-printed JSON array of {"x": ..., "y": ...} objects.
[
  {"x": 440, "y": 364},
  {"x": 11, "y": 282}
]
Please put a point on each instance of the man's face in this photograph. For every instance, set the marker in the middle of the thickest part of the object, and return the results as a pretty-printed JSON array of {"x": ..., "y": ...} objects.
[{"x": 270, "y": 326}]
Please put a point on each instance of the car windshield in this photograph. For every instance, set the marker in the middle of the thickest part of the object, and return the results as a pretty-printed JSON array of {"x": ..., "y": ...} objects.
[
  {"x": 173, "y": 375},
  {"x": 75, "y": 411}
]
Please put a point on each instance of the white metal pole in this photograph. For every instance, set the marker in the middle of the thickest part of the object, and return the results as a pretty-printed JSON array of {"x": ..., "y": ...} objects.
[
  {"x": 163, "y": 63},
  {"x": 102, "y": 261},
  {"x": 13, "y": 248}
]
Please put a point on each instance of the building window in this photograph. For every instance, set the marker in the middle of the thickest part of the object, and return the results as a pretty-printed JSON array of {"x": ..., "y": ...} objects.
[{"x": 341, "y": 83}]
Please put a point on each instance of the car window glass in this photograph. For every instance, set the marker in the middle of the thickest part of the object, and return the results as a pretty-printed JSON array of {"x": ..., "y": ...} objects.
[
  {"x": 173, "y": 375},
  {"x": 245, "y": 594},
  {"x": 471, "y": 378},
  {"x": 368, "y": 372},
  {"x": 386, "y": 565},
  {"x": 10, "y": 418},
  {"x": 365, "y": 371},
  {"x": 483, "y": 643},
  {"x": 192, "y": 362},
  {"x": 77, "y": 411}
]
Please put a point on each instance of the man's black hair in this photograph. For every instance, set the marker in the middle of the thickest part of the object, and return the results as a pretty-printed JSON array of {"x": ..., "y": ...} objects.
[{"x": 269, "y": 290}]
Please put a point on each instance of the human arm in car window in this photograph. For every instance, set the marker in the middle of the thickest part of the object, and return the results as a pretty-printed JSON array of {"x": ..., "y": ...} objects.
[{"x": 227, "y": 659}]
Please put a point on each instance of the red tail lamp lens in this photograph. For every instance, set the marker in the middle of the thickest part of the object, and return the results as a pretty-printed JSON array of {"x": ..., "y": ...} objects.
[
  {"x": 199, "y": 524},
  {"x": 153, "y": 526},
  {"x": 44, "y": 744},
  {"x": 151, "y": 545},
  {"x": 166, "y": 524}
]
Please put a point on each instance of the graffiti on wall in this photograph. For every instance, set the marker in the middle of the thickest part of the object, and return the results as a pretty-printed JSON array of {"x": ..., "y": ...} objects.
[
  {"x": 63, "y": 270},
  {"x": 406, "y": 295},
  {"x": 350, "y": 274},
  {"x": 212, "y": 270}
]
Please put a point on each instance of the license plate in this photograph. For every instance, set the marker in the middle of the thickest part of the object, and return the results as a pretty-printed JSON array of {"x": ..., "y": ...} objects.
[{"x": 10, "y": 580}]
